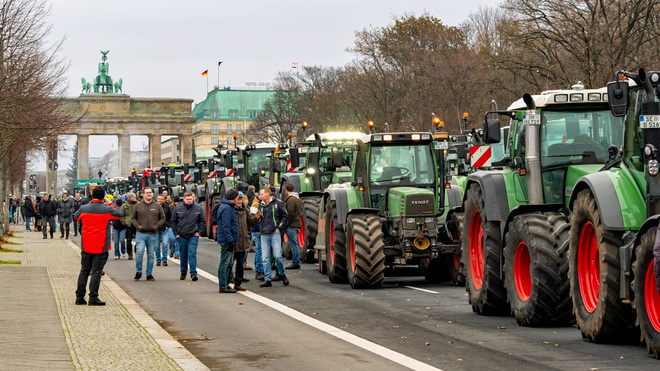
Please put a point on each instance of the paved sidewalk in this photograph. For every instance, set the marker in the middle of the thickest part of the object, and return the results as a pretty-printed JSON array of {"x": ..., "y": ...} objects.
[{"x": 40, "y": 294}]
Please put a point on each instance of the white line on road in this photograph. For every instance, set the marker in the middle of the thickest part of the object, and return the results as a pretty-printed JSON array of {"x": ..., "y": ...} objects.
[
  {"x": 420, "y": 289},
  {"x": 330, "y": 330}
]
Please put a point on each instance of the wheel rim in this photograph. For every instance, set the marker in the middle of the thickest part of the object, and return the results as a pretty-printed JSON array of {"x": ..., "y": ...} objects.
[
  {"x": 352, "y": 252},
  {"x": 457, "y": 262},
  {"x": 522, "y": 264},
  {"x": 652, "y": 297},
  {"x": 476, "y": 250},
  {"x": 331, "y": 232},
  {"x": 301, "y": 233},
  {"x": 588, "y": 266}
]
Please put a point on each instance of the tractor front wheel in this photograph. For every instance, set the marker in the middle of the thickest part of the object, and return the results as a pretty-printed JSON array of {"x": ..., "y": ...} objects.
[
  {"x": 366, "y": 264},
  {"x": 335, "y": 244},
  {"x": 647, "y": 298}
]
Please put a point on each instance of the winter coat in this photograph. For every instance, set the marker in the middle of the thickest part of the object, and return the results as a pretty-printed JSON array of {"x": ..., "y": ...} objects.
[
  {"x": 65, "y": 210},
  {"x": 293, "y": 210},
  {"x": 227, "y": 227},
  {"x": 250, "y": 197},
  {"x": 245, "y": 220},
  {"x": 255, "y": 204},
  {"x": 48, "y": 208},
  {"x": 273, "y": 216},
  {"x": 167, "y": 210},
  {"x": 188, "y": 220},
  {"x": 147, "y": 217},
  {"x": 29, "y": 209},
  {"x": 96, "y": 233},
  {"x": 127, "y": 210},
  {"x": 76, "y": 204}
]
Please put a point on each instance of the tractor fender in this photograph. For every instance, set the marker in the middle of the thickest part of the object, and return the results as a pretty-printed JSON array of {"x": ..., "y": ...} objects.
[
  {"x": 292, "y": 178},
  {"x": 603, "y": 190},
  {"x": 455, "y": 196},
  {"x": 495, "y": 195},
  {"x": 210, "y": 186},
  {"x": 340, "y": 196},
  {"x": 525, "y": 209},
  {"x": 651, "y": 222}
]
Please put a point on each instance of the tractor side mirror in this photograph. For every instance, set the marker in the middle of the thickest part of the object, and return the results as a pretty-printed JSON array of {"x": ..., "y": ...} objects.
[
  {"x": 293, "y": 155},
  {"x": 337, "y": 159},
  {"x": 617, "y": 96},
  {"x": 211, "y": 165},
  {"x": 186, "y": 167},
  {"x": 229, "y": 161},
  {"x": 491, "y": 131}
]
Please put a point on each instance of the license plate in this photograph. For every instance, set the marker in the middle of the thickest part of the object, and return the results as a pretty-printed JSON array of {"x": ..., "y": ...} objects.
[{"x": 649, "y": 122}]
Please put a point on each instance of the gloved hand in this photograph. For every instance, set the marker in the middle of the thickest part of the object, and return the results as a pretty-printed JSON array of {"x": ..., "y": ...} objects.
[{"x": 231, "y": 246}]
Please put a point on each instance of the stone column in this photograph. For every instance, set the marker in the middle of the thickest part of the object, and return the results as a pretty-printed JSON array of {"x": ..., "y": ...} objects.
[
  {"x": 124, "y": 141},
  {"x": 186, "y": 148},
  {"x": 83, "y": 156},
  {"x": 49, "y": 176},
  {"x": 154, "y": 150}
]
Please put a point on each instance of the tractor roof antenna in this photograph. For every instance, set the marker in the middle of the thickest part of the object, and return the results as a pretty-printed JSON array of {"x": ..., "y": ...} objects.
[{"x": 386, "y": 128}]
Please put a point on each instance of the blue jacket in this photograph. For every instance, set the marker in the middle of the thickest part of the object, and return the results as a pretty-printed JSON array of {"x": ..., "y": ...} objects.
[
  {"x": 227, "y": 228},
  {"x": 273, "y": 216}
]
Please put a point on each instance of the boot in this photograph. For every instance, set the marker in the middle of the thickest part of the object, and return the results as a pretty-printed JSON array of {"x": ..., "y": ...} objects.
[{"x": 51, "y": 235}]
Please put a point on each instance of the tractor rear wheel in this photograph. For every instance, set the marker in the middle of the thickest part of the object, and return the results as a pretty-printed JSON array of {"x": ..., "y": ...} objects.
[
  {"x": 310, "y": 213},
  {"x": 647, "y": 298},
  {"x": 366, "y": 264},
  {"x": 335, "y": 245},
  {"x": 482, "y": 253},
  {"x": 535, "y": 269},
  {"x": 593, "y": 272}
]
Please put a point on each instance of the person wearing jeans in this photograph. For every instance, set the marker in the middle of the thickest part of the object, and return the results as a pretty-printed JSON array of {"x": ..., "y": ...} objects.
[
  {"x": 29, "y": 212},
  {"x": 147, "y": 217},
  {"x": 227, "y": 237},
  {"x": 163, "y": 236},
  {"x": 273, "y": 219},
  {"x": 119, "y": 238},
  {"x": 188, "y": 222},
  {"x": 293, "y": 211}
]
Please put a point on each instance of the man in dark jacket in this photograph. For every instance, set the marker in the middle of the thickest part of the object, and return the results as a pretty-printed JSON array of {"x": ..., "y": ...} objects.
[
  {"x": 188, "y": 222},
  {"x": 163, "y": 234},
  {"x": 227, "y": 237},
  {"x": 65, "y": 211},
  {"x": 77, "y": 202},
  {"x": 245, "y": 220},
  {"x": 29, "y": 212},
  {"x": 48, "y": 209},
  {"x": 95, "y": 243},
  {"x": 294, "y": 223},
  {"x": 273, "y": 219}
]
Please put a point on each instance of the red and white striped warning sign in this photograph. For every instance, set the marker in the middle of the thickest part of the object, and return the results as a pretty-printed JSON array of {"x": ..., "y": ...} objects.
[
  {"x": 213, "y": 174},
  {"x": 230, "y": 172},
  {"x": 289, "y": 167},
  {"x": 480, "y": 156},
  {"x": 187, "y": 177}
]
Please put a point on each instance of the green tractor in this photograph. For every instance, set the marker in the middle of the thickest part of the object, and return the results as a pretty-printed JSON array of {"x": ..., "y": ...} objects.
[
  {"x": 515, "y": 230},
  {"x": 387, "y": 214},
  {"x": 616, "y": 214},
  {"x": 328, "y": 161}
]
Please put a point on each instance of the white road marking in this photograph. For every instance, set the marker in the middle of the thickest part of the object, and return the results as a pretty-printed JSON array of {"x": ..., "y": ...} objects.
[
  {"x": 422, "y": 290},
  {"x": 393, "y": 356}
]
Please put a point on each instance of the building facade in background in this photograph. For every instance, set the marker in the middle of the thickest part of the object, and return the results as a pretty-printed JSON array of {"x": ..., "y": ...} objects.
[{"x": 225, "y": 113}]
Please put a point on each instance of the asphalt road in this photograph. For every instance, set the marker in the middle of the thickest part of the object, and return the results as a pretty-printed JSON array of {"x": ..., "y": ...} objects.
[{"x": 431, "y": 323}]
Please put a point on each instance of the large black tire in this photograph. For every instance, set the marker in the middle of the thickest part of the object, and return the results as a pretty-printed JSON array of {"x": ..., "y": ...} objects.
[
  {"x": 482, "y": 253},
  {"x": 335, "y": 246},
  {"x": 647, "y": 298},
  {"x": 536, "y": 269},
  {"x": 310, "y": 209},
  {"x": 454, "y": 263},
  {"x": 599, "y": 312},
  {"x": 366, "y": 255}
]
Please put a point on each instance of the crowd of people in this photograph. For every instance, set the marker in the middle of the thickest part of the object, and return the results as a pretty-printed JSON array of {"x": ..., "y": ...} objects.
[{"x": 163, "y": 227}]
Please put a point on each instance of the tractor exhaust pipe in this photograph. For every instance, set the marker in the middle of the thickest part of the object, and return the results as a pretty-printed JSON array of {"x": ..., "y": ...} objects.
[{"x": 533, "y": 156}]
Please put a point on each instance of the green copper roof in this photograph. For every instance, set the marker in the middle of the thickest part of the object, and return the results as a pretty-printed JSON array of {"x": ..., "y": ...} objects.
[
  {"x": 243, "y": 102},
  {"x": 202, "y": 154}
]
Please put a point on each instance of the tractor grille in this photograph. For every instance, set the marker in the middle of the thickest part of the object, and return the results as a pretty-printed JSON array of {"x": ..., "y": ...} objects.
[{"x": 419, "y": 205}]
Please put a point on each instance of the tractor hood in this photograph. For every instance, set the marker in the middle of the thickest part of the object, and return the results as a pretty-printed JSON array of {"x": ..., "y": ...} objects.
[{"x": 409, "y": 201}]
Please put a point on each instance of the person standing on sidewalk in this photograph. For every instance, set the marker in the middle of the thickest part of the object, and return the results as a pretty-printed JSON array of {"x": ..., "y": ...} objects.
[
  {"x": 29, "y": 212},
  {"x": 127, "y": 210},
  {"x": 245, "y": 220},
  {"x": 95, "y": 243},
  {"x": 163, "y": 235},
  {"x": 65, "y": 209},
  {"x": 227, "y": 236},
  {"x": 147, "y": 217},
  {"x": 48, "y": 209},
  {"x": 273, "y": 219},
  {"x": 119, "y": 234},
  {"x": 77, "y": 202},
  {"x": 293, "y": 210},
  {"x": 188, "y": 222}
]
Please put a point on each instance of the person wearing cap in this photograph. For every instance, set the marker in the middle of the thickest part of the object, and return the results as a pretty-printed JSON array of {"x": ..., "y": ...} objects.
[
  {"x": 188, "y": 223},
  {"x": 273, "y": 221},
  {"x": 95, "y": 243},
  {"x": 227, "y": 237}
]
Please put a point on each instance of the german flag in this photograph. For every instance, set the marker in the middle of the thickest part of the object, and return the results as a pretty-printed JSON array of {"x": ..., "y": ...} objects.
[{"x": 205, "y": 73}]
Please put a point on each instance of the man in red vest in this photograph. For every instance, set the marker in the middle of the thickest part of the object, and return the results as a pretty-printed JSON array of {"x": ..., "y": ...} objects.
[{"x": 95, "y": 243}]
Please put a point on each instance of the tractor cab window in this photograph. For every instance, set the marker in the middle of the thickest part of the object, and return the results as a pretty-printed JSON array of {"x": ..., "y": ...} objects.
[{"x": 402, "y": 165}]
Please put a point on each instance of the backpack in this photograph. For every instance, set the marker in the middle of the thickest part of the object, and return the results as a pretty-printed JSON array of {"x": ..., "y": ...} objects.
[
  {"x": 118, "y": 225},
  {"x": 213, "y": 218}
]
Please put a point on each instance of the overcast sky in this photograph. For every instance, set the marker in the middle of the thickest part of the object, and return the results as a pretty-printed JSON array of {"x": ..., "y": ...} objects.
[{"x": 160, "y": 48}]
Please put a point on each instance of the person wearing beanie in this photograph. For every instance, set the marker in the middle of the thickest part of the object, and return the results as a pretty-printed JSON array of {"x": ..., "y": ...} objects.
[
  {"x": 227, "y": 237},
  {"x": 127, "y": 211},
  {"x": 95, "y": 243}
]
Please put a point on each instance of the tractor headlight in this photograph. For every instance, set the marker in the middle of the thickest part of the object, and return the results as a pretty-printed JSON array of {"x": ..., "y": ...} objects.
[
  {"x": 310, "y": 171},
  {"x": 653, "y": 167},
  {"x": 410, "y": 220},
  {"x": 428, "y": 220}
]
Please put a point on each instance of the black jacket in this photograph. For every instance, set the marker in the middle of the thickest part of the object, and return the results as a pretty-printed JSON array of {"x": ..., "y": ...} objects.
[
  {"x": 48, "y": 208},
  {"x": 168, "y": 217},
  {"x": 273, "y": 216},
  {"x": 188, "y": 220},
  {"x": 29, "y": 209}
]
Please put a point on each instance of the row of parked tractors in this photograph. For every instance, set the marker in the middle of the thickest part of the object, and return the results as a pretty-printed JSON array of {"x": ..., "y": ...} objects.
[{"x": 554, "y": 222}]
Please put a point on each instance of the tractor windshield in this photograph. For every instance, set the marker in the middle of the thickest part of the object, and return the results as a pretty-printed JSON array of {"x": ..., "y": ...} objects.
[
  {"x": 402, "y": 165},
  {"x": 259, "y": 160},
  {"x": 569, "y": 137}
]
